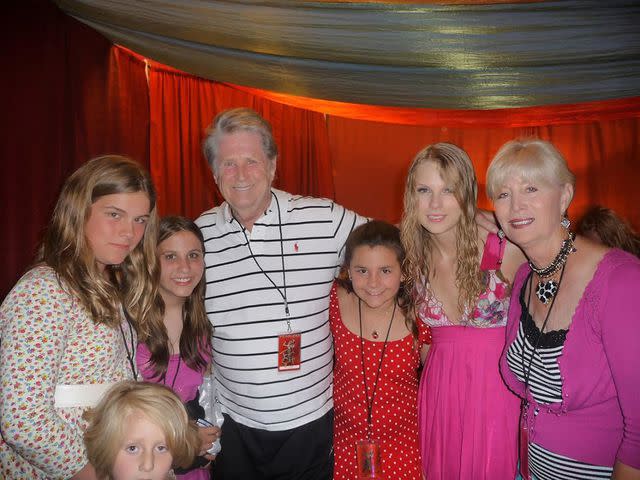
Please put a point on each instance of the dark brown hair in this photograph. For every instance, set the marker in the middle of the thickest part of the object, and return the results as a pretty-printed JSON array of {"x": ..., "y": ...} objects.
[
  {"x": 196, "y": 329},
  {"x": 612, "y": 230},
  {"x": 377, "y": 233}
]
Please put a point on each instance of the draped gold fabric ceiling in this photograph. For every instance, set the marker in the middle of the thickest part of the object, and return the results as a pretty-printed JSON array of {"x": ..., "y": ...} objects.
[{"x": 482, "y": 56}]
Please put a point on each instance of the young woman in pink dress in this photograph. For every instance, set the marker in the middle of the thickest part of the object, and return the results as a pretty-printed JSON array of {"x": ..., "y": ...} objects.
[
  {"x": 176, "y": 347},
  {"x": 377, "y": 355},
  {"x": 460, "y": 275}
]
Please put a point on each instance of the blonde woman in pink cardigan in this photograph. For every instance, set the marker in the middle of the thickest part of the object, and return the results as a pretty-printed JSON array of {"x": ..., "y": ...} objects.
[{"x": 572, "y": 333}]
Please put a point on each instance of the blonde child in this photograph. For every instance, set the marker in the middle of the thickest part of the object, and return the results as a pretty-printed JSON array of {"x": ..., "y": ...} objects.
[{"x": 139, "y": 430}]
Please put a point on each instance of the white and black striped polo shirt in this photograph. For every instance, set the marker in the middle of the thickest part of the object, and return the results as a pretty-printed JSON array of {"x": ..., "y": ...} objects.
[{"x": 248, "y": 313}]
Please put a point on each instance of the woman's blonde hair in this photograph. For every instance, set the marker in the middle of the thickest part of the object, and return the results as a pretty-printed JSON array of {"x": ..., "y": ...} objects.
[
  {"x": 66, "y": 250},
  {"x": 107, "y": 422},
  {"x": 456, "y": 168},
  {"x": 531, "y": 159}
]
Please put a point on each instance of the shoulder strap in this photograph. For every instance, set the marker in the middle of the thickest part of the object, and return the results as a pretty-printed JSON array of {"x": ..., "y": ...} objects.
[{"x": 493, "y": 252}]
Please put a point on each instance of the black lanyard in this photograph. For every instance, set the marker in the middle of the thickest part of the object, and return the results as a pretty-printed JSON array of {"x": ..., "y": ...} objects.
[
  {"x": 130, "y": 353},
  {"x": 364, "y": 374},
  {"x": 527, "y": 372},
  {"x": 283, "y": 292}
]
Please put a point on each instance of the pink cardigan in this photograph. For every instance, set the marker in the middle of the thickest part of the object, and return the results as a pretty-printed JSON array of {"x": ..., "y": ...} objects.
[{"x": 598, "y": 420}]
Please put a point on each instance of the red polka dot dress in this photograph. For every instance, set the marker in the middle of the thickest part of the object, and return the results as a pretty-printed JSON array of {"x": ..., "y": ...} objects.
[{"x": 395, "y": 409}]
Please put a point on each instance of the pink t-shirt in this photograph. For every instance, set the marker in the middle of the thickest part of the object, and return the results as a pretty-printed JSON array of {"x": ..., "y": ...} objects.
[{"x": 180, "y": 377}]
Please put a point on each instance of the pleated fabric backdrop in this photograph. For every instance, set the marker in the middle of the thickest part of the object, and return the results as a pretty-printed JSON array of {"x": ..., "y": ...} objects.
[{"x": 69, "y": 95}]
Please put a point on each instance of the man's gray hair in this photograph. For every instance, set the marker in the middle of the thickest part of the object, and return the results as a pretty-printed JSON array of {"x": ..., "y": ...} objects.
[{"x": 235, "y": 120}]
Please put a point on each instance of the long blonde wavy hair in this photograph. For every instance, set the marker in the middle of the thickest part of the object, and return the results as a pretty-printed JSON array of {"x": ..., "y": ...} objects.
[
  {"x": 132, "y": 284},
  {"x": 456, "y": 168}
]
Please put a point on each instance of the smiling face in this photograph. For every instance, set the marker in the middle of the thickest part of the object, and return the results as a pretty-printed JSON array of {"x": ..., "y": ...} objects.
[
  {"x": 438, "y": 209},
  {"x": 245, "y": 174},
  {"x": 181, "y": 265},
  {"x": 143, "y": 454},
  {"x": 529, "y": 210},
  {"x": 375, "y": 275},
  {"x": 115, "y": 226}
]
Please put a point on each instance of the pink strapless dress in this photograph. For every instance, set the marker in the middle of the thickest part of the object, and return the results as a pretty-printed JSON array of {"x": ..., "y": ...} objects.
[{"x": 468, "y": 419}]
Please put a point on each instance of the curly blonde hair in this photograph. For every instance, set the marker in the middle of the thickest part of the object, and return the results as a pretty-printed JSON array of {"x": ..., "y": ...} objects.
[
  {"x": 455, "y": 167},
  {"x": 64, "y": 248}
]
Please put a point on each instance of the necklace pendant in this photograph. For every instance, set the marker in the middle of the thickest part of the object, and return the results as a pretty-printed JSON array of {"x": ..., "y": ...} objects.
[
  {"x": 545, "y": 291},
  {"x": 375, "y": 335}
]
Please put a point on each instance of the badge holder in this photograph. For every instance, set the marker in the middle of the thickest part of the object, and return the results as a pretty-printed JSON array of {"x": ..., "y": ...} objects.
[
  {"x": 368, "y": 460},
  {"x": 289, "y": 348}
]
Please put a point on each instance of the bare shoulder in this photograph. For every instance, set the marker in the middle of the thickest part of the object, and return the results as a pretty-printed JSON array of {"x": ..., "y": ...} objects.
[
  {"x": 342, "y": 293},
  {"x": 345, "y": 299},
  {"x": 512, "y": 258},
  {"x": 483, "y": 234}
]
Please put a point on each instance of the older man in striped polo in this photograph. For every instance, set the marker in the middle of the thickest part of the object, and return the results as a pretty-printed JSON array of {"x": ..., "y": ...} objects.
[{"x": 271, "y": 258}]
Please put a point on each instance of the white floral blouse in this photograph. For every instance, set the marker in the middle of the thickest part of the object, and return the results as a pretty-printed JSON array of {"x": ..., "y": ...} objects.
[{"x": 47, "y": 338}]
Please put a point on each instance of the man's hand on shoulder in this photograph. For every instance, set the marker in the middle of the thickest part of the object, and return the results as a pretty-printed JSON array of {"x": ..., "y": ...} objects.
[{"x": 486, "y": 220}]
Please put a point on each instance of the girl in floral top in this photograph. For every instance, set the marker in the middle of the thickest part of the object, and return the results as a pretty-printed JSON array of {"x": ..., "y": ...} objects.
[
  {"x": 467, "y": 417},
  {"x": 64, "y": 339}
]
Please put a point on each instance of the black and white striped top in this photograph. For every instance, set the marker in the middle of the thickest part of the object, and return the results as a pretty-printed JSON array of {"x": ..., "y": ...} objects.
[
  {"x": 545, "y": 384},
  {"x": 248, "y": 313},
  {"x": 546, "y": 465}
]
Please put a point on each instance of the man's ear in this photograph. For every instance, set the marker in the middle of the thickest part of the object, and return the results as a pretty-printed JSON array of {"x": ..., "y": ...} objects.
[{"x": 272, "y": 168}]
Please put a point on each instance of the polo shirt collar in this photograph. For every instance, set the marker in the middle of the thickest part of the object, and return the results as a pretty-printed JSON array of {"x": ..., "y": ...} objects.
[{"x": 283, "y": 199}]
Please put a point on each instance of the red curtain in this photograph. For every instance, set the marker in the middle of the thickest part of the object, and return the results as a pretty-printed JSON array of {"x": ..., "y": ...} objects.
[
  {"x": 182, "y": 106},
  {"x": 371, "y": 159},
  {"x": 66, "y": 96}
]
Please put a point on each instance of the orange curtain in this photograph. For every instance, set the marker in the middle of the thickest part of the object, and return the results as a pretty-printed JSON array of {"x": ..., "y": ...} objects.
[
  {"x": 359, "y": 154},
  {"x": 182, "y": 106},
  {"x": 371, "y": 160}
]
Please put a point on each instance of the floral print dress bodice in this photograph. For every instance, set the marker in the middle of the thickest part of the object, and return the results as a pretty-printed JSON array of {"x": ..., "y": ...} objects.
[{"x": 492, "y": 305}]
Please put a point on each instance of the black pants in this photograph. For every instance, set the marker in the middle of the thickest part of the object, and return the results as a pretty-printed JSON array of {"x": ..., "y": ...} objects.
[{"x": 303, "y": 453}]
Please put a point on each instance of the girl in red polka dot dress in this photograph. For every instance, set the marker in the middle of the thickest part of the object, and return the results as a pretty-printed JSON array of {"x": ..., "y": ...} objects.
[{"x": 377, "y": 355}]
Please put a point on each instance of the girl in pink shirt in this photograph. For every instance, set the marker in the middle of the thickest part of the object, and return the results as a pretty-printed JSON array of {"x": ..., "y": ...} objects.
[{"x": 176, "y": 348}]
